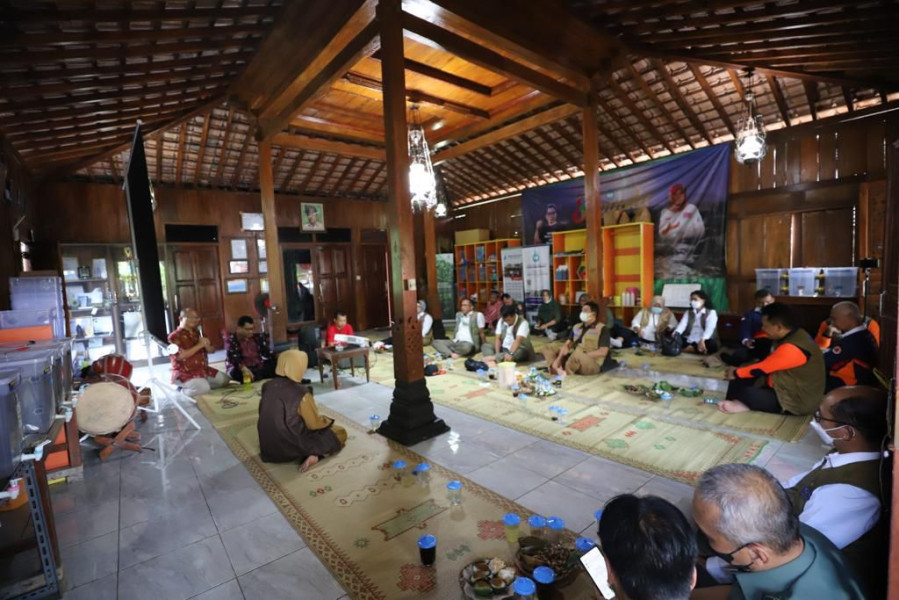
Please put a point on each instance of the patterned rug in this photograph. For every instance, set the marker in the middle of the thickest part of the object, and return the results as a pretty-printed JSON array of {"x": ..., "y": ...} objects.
[{"x": 363, "y": 523}]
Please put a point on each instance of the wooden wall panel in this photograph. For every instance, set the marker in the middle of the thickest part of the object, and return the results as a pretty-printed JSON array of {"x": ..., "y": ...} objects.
[
  {"x": 808, "y": 159},
  {"x": 827, "y": 237},
  {"x": 793, "y": 162},
  {"x": 96, "y": 213},
  {"x": 875, "y": 143},
  {"x": 827, "y": 155},
  {"x": 852, "y": 158}
]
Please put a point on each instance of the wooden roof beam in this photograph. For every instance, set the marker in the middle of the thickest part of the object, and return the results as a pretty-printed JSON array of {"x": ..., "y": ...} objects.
[
  {"x": 127, "y": 36},
  {"x": 434, "y": 73},
  {"x": 217, "y": 180},
  {"x": 419, "y": 96},
  {"x": 312, "y": 170},
  {"x": 369, "y": 185},
  {"x": 534, "y": 156},
  {"x": 848, "y": 99},
  {"x": 516, "y": 164},
  {"x": 700, "y": 59},
  {"x": 238, "y": 168},
  {"x": 474, "y": 53},
  {"x": 793, "y": 30},
  {"x": 653, "y": 97},
  {"x": 201, "y": 153},
  {"x": 148, "y": 132},
  {"x": 573, "y": 161},
  {"x": 511, "y": 130},
  {"x": 526, "y": 145},
  {"x": 779, "y": 98},
  {"x": 510, "y": 172},
  {"x": 457, "y": 181},
  {"x": 92, "y": 53},
  {"x": 631, "y": 106},
  {"x": 291, "y": 171},
  {"x": 179, "y": 160},
  {"x": 327, "y": 177},
  {"x": 321, "y": 145},
  {"x": 475, "y": 171},
  {"x": 544, "y": 34},
  {"x": 534, "y": 101},
  {"x": 674, "y": 89},
  {"x": 102, "y": 15},
  {"x": 713, "y": 98},
  {"x": 356, "y": 39},
  {"x": 812, "y": 95},
  {"x": 622, "y": 124},
  {"x": 345, "y": 175}
]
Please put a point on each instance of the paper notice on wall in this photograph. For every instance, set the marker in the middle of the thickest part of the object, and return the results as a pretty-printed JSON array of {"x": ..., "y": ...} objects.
[
  {"x": 536, "y": 263},
  {"x": 513, "y": 274}
]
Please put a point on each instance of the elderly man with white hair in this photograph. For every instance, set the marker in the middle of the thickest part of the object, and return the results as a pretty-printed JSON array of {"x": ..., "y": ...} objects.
[
  {"x": 852, "y": 356},
  {"x": 745, "y": 517}
]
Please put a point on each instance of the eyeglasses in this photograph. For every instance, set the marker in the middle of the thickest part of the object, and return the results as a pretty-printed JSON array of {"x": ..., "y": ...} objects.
[{"x": 819, "y": 417}]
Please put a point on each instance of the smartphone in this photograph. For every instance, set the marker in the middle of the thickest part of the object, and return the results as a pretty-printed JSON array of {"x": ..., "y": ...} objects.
[{"x": 595, "y": 565}]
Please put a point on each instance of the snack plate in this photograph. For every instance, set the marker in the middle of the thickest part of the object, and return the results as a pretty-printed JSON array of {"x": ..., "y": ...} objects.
[{"x": 468, "y": 589}]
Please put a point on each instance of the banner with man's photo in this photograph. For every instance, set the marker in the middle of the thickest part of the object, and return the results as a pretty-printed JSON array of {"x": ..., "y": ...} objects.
[{"x": 684, "y": 196}]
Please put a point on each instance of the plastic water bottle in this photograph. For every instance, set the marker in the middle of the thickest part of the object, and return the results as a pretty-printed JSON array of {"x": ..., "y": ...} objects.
[{"x": 247, "y": 379}]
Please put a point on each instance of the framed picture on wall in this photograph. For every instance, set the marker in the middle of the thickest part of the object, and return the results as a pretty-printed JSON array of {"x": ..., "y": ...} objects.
[
  {"x": 263, "y": 286},
  {"x": 260, "y": 249},
  {"x": 239, "y": 249},
  {"x": 236, "y": 286},
  {"x": 312, "y": 216},
  {"x": 263, "y": 266},
  {"x": 252, "y": 222},
  {"x": 236, "y": 267}
]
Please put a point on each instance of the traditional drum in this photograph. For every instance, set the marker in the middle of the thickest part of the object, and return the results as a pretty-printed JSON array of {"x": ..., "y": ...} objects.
[
  {"x": 106, "y": 407},
  {"x": 112, "y": 364}
]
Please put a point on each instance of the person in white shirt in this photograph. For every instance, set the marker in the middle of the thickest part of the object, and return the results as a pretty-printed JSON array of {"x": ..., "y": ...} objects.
[
  {"x": 512, "y": 342},
  {"x": 699, "y": 325},
  {"x": 469, "y": 334},
  {"x": 427, "y": 323},
  {"x": 841, "y": 495},
  {"x": 652, "y": 322}
]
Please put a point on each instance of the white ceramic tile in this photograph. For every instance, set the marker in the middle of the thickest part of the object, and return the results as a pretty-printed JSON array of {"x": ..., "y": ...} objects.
[
  {"x": 555, "y": 499},
  {"x": 227, "y": 591},
  {"x": 105, "y": 588},
  {"x": 77, "y": 526},
  {"x": 260, "y": 542},
  {"x": 91, "y": 560},
  {"x": 507, "y": 478},
  {"x": 547, "y": 458},
  {"x": 178, "y": 575},
  {"x": 297, "y": 575},
  {"x": 603, "y": 479},
  {"x": 156, "y": 537}
]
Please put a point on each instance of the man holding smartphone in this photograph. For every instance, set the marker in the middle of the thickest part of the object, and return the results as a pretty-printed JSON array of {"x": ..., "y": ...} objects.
[{"x": 650, "y": 550}]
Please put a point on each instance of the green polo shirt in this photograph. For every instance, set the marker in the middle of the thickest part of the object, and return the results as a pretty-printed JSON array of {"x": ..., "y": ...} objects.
[{"x": 821, "y": 571}]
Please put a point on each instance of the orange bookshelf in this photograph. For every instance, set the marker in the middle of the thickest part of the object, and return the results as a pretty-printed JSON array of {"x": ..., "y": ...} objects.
[
  {"x": 479, "y": 268},
  {"x": 627, "y": 262}
]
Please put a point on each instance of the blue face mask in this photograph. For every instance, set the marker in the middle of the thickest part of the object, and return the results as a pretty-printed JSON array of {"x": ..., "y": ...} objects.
[{"x": 656, "y": 310}]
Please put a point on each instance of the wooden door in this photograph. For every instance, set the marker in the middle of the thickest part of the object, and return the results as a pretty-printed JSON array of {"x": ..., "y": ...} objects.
[
  {"x": 374, "y": 284},
  {"x": 334, "y": 282},
  {"x": 195, "y": 283}
]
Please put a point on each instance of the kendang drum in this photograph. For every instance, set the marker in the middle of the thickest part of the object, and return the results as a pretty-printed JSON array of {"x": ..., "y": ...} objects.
[
  {"x": 112, "y": 364},
  {"x": 106, "y": 411}
]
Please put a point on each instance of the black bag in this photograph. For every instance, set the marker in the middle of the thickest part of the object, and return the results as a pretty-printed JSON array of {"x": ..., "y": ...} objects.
[
  {"x": 474, "y": 365},
  {"x": 431, "y": 370},
  {"x": 438, "y": 330},
  {"x": 307, "y": 342},
  {"x": 672, "y": 345}
]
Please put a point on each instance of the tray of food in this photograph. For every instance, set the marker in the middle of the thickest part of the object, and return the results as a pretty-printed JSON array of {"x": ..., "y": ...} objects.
[
  {"x": 487, "y": 578},
  {"x": 562, "y": 559}
]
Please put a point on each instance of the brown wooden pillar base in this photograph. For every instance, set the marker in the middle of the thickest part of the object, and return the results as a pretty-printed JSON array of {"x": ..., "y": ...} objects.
[{"x": 412, "y": 417}]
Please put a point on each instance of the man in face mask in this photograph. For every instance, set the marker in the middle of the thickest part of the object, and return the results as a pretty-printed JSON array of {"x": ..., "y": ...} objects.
[
  {"x": 586, "y": 352},
  {"x": 744, "y": 517},
  {"x": 549, "y": 316}
]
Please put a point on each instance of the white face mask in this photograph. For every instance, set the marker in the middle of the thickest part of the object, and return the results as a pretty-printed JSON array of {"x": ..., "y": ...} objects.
[
  {"x": 696, "y": 304},
  {"x": 585, "y": 317},
  {"x": 546, "y": 300},
  {"x": 824, "y": 433},
  {"x": 656, "y": 310}
]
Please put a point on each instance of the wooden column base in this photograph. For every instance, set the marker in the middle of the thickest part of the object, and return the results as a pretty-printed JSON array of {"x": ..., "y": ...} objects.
[{"x": 412, "y": 418}]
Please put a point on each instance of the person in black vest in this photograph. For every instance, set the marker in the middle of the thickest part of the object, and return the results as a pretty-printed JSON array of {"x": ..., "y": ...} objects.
[
  {"x": 754, "y": 343},
  {"x": 512, "y": 341},
  {"x": 699, "y": 325}
]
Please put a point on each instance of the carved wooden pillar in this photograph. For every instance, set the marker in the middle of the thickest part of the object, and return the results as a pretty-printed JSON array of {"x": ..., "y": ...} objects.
[
  {"x": 592, "y": 201},
  {"x": 412, "y": 416},
  {"x": 276, "y": 292}
]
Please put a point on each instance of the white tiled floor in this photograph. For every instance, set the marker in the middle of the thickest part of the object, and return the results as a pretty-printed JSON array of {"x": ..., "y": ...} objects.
[{"x": 185, "y": 520}]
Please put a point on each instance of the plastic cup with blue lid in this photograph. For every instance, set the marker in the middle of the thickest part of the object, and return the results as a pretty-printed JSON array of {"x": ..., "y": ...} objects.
[
  {"x": 544, "y": 575},
  {"x": 454, "y": 492},
  {"x": 423, "y": 472},
  {"x": 375, "y": 421},
  {"x": 427, "y": 549},
  {"x": 512, "y": 526},
  {"x": 537, "y": 523},
  {"x": 556, "y": 526},
  {"x": 524, "y": 588},
  {"x": 584, "y": 545}
]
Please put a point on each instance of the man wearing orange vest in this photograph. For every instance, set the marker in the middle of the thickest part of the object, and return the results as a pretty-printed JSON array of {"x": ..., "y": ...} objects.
[{"x": 852, "y": 355}]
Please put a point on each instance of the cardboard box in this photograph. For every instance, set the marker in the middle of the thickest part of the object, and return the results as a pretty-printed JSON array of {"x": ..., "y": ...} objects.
[{"x": 470, "y": 236}]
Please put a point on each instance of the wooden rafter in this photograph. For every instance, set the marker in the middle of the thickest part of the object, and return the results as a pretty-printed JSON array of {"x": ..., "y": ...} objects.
[
  {"x": 511, "y": 130},
  {"x": 156, "y": 16},
  {"x": 292, "y": 171},
  {"x": 812, "y": 95},
  {"x": 848, "y": 99},
  {"x": 488, "y": 177},
  {"x": 66, "y": 55},
  {"x": 431, "y": 34},
  {"x": 650, "y": 93},
  {"x": 345, "y": 174},
  {"x": 532, "y": 148},
  {"x": 238, "y": 168},
  {"x": 204, "y": 136},
  {"x": 622, "y": 124},
  {"x": 368, "y": 185},
  {"x": 218, "y": 179},
  {"x": 631, "y": 107},
  {"x": 434, "y": 73},
  {"x": 419, "y": 97},
  {"x": 713, "y": 98},
  {"x": 779, "y": 98},
  {"x": 322, "y": 145},
  {"x": 179, "y": 161},
  {"x": 513, "y": 163},
  {"x": 159, "y": 144},
  {"x": 304, "y": 185},
  {"x": 738, "y": 85},
  {"x": 534, "y": 155},
  {"x": 675, "y": 92},
  {"x": 558, "y": 147}
]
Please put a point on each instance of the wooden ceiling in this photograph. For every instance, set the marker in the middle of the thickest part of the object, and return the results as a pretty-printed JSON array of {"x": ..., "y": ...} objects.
[{"x": 500, "y": 85}]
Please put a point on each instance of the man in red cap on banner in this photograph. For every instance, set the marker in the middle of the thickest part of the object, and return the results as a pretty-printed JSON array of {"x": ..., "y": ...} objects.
[{"x": 681, "y": 221}]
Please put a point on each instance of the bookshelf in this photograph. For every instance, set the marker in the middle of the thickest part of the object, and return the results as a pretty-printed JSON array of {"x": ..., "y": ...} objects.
[
  {"x": 479, "y": 268},
  {"x": 627, "y": 262}
]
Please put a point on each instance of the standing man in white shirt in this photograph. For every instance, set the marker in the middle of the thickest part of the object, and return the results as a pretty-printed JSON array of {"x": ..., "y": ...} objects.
[
  {"x": 699, "y": 325},
  {"x": 469, "y": 335},
  {"x": 841, "y": 496},
  {"x": 512, "y": 342}
]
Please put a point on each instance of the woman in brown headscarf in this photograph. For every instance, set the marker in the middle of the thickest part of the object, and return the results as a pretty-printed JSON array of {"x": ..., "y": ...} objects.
[{"x": 290, "y": 427}]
